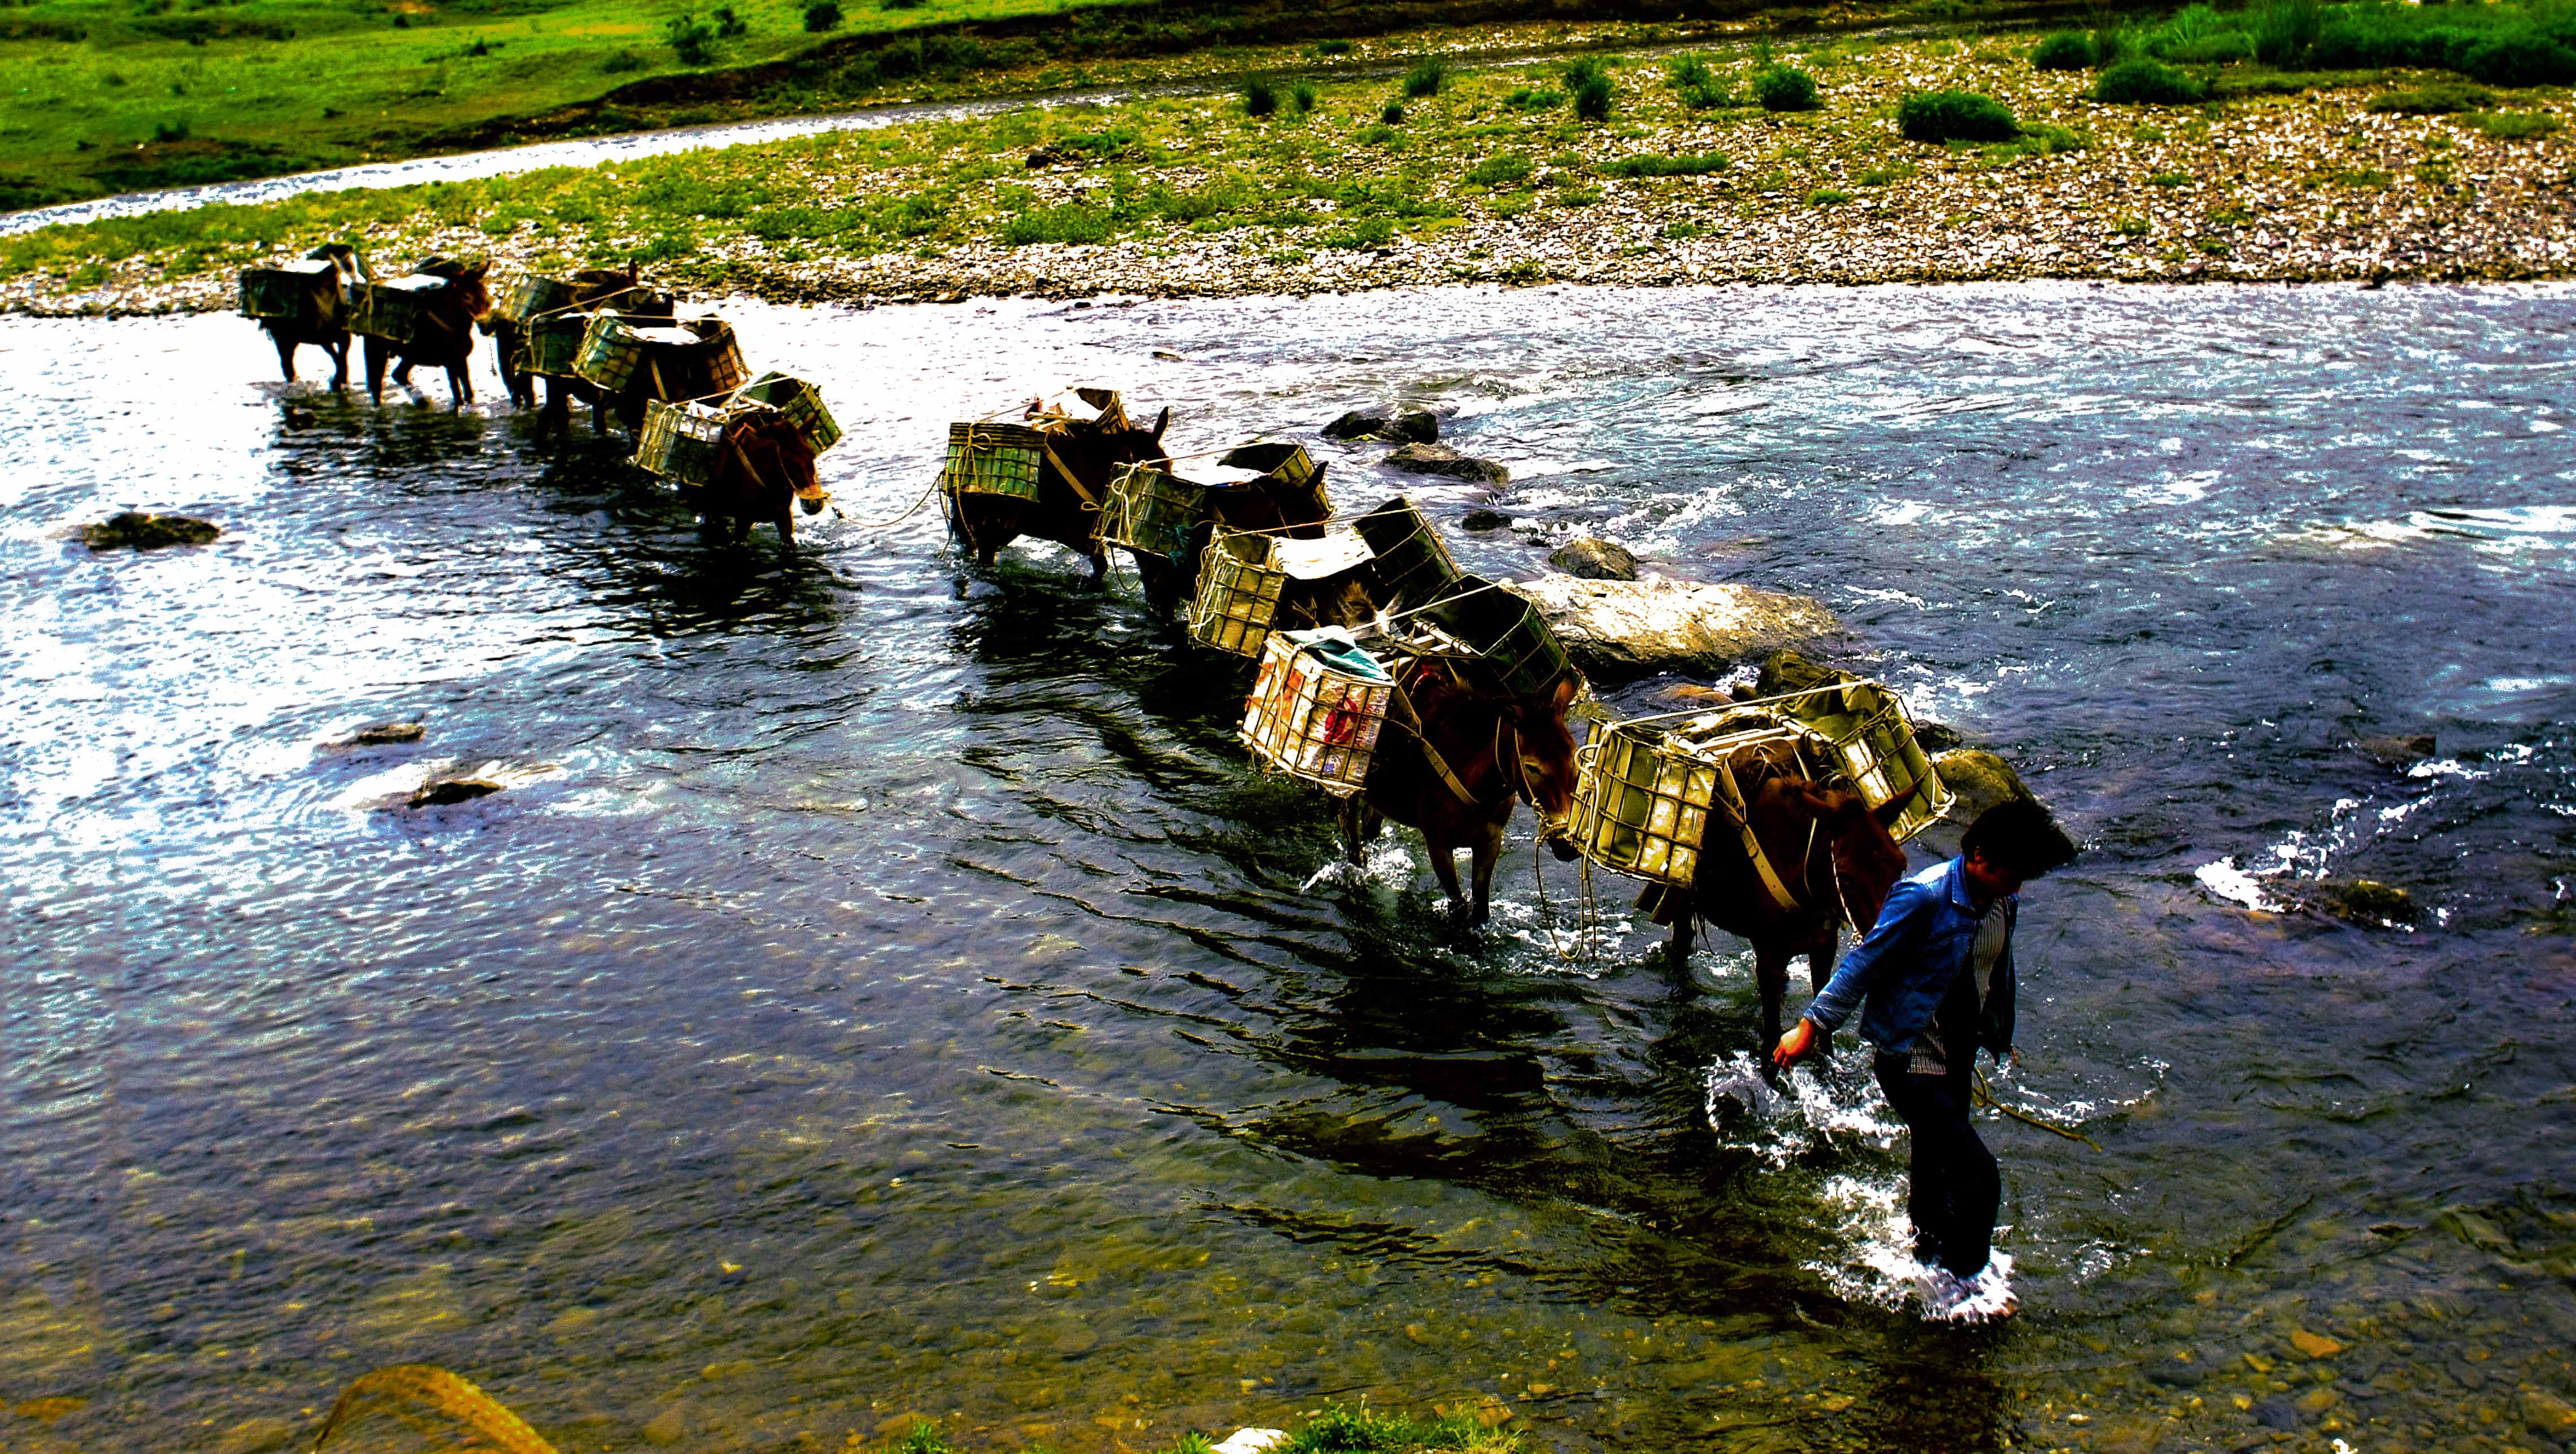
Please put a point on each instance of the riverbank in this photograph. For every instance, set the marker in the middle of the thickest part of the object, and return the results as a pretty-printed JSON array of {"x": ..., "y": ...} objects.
[{"x": 1352, "y": 184}]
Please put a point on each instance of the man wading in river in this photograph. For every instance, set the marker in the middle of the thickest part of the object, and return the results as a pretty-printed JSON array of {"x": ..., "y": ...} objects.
[{"x": 1938, "y": 972}]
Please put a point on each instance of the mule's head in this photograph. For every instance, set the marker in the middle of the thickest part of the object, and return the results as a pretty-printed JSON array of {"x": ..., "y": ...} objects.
[
  {"x": 470, "y": 292},
  {"x": 1545, "y": 769},
  {"x": 779, "y": 459}
]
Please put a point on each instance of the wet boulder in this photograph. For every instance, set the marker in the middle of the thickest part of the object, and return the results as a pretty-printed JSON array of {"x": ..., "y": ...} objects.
[
  {"x": 2364, "y": 901},
  {"x": 1594, "y": 559},
  {"x": 1440, "y": 459},
  {"x": 1636, "y": 628},
  {"x": 446, "y": 792},
  {"x": 1388, "y": 423},
  {"x": 386, "y": 734},
  {"x": 1483, "y": 520},
  {"x": 2398, "y": 752},
  {"x": 136, "y": 530},
  {"x": 1977, "y": 780}
]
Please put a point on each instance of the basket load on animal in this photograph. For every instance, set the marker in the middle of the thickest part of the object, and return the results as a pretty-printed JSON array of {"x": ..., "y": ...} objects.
[
  {"x": 1248, "y": 578},
  {"x": 800, "y": 401},
  {"x": 1414, "y": 566},
  {"x": 550, "y": 344},
  {"x": 1293, "y": 478},
  {"x": 1154, "y": 511},
  {"x": 692, "y": 358},
  {"x": 681, "y": 439},
  {"x": 292, "y": 290},
  {"x": 392, "y": 309},
  {"x": 1317, "y": 706},
  {"x": 989, "y": 458},
  {"x": 1649, "y": 790},
  {"x": 1500, "y": 644}
]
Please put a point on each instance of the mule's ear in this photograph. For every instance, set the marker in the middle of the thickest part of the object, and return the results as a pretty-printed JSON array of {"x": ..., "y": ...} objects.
[
  {"x": 1566, "y": 685},
  {"x": 1162, "y": 422},
  {"x": 1887, "y": 813}
]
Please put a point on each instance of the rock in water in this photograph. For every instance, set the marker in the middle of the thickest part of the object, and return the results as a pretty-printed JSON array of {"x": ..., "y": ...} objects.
[
  {"x": 1936, "y": 736},
  {"x": 385, "y": 734},
  {"x": 2396, "y": 751},
  {"x": 1789, "y": 671},
  {"x": 1440, "y": 459},
  {"x": 443, "y": 792},
  {"x": 1594, "y": 559},
  {"x": 1980, "y": 779},
  {"x": 1632, "y": 628},
  {"x": 135, "y": 530},
  {"x": 1386, "y": 422},
  {"x": 1483, "y": 520}
]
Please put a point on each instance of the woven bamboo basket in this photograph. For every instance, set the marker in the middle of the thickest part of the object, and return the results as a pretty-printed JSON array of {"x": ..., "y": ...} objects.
[
  {"x": 284, "y": 292},
  {"x": 1641, "y": 802},
  {"x": 994, "y": 459},
  {"x": 1513, "y": 651},
  {"x": 551, "y": 345},
  {"x": 801, "y": 402},
  {"x": 1239, "y": 585},
  {"x": 1412, "y": 563},
  {"x": 392, "y": 310},
  {"x": 530, "y": 294},
  {"x": 1291, "y": 471},
  {"x": 1152, "y": 511},
  {"x": 684, "y": 360},
  {"x": 1863, "y": 732},
  {"x": 1316, "y": 709},
  {"x": 681, "y": 441}
]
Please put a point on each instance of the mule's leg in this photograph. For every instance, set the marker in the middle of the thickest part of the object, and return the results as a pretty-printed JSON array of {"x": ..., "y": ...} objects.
[
  {"x": 558, "y": 411},
  {"x": 460, "y": 383},
  {"x": 1821, "y": 955},
  {"x": 787, "y": 528},
  {"x": 1771, "y": 975},
  {"x": 1488, "y": 852},
  {"x": 339, "y": 364},
  {"x": 1444, "y": 867},
  {"x": 402, "y": 369},
  {"x": 375, "y": 351},
  {"x": 285, "y": 352},
  {"x": 1685, "y": 927}
]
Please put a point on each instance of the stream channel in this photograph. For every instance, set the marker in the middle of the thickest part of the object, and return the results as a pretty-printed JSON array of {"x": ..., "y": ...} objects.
[{"x": 870, "y": 999}]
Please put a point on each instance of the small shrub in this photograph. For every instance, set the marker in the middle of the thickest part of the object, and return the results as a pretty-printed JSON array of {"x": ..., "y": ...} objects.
[
  {"x": 1577, "y": 196},
  {"x": 2111, "y": 45},
  {"x": 1302, "y": 96},
  {"x": 2169, "y": 179},
  {"x": 1784, "y": 88},
  {"x": 1681, "y": 231},
  {"x": 1526, "y": 99},
  {"x": 2437, "y": 99},
  {"x": 2139, "y": 81},
  {"x": 178, "y": 130},
  {"x": 1588, "y": 82},
  {"x": 1697, "y": 84},
  {"x": 899, "y": 4},
  {"x": 1939, "y": 116},
  {"x": 1361, "y": 236},
  {"x": 1069, "y": 222},
  {"x": 2214, "y": 246},
  {"x": 621, "y": 60},
  {"x": 922, "y": 1438},
  {"x": 1675, "y": 166},
  {"x": 1260, "y": 97},
  {"x": 2285, "y": 31},
  {"x": 2131, "y": 225},
  {"x": 1332, "y": 47},
  {"x": 728, "y": 25},
  {"x": 1426, "y": 77},
  {"x": 822, "y": 15},
  {"x": 1826, "y": 197},
  {"x": 2062, "y": 50},
  {"x": 2221, "y": 49},
  {"x": 1503, "y": 169},
  {"x": 2512, "y": 125},
  {"x": 692, "y": 39},
  {"x": 1393, "y": 115}
]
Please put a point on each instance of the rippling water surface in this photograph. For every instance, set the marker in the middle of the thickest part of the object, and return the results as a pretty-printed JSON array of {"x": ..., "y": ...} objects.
[{"x": 869, "y": 1000}]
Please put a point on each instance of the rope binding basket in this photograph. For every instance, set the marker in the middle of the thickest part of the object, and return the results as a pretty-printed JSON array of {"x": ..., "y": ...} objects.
[
  {"x": 288, "y": 290},
  {"x": 1862, "y": 729},
  {"x": 800, "y": 401},
  {"x": 1413, "y": 564},
  {"x": 682, "y": 442},
  {"x": 994, "y": 459},
  {"x": 550, "y": 345},
  {"x": 1316, "y": 708},
  {"x": 1153, "y": 511},
  {"x": 1509, "y": 649},
  {"x": 392, "y": 310},
  {"x": 1240, "y": 580}
]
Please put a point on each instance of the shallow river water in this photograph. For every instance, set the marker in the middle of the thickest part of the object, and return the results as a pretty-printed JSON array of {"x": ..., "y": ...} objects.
[{"x": 872, "y": 999}]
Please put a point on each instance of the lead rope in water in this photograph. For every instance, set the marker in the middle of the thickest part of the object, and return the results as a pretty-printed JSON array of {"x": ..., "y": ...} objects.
[{"x": 1985, "y": 1096}]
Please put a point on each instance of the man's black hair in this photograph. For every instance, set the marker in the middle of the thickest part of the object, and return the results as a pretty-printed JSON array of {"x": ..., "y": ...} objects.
[{"x": 2019, "y": 835}]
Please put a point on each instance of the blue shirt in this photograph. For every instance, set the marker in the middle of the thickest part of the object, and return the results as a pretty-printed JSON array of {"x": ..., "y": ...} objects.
[{"x": 1925, "y": 939}]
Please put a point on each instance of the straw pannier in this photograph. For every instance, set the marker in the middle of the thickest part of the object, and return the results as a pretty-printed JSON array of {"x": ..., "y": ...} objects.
[
  {"x": 392, "y": 310},
  {"x": 994, "y": 459},
  {"x": 680, "y": 441},
  {"x": 1316, "y": 708},
  {"x": 1291, "y": 471},
  {"x": 1641, "y": 803},
  {"x": 530, "y": 294},
  {"x": 1413, "y": 564},
  {"x": 683, "y": 360},
  {"x": 1153, "y": 512},
  {"x": 551, "y": 346},
  {"x": 289, "y": 291},
  {"x": 1861, "y": 729},
  {"x": 1239, "y": 585},
  {"x": 1512, "y": 650},
  {"x": 801, "y": 402}
]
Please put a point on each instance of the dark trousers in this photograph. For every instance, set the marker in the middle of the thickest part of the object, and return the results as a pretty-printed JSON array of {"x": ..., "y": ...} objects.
[{"x": 1955, "y": 1190}]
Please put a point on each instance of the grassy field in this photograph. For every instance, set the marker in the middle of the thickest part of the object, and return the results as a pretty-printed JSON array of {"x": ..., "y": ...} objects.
[{"x": 116, "y": 95}]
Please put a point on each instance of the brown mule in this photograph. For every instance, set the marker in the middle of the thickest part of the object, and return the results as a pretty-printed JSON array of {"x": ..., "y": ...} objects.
[
  {"x": 1074, "y": 478},
  {"x": 764, "y": 471},
  {"x": 443, "y": 338},
  {"x": 1260, "y": 503},
  {"x": 1451, "y": 763},
  {"x": 321, "y": 315},
  {"x": 1831, "y": 859}
]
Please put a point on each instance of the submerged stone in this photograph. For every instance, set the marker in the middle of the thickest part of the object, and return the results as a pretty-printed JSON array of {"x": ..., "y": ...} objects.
[
  {"x": 135, "y": 530},
  {"x": 2396, "y": 751},
  {"x": 1634, "y": 628},
  {"x": 2315, "y": 1345},
  {"x": 1594, "y": 559},
  {"x": 443, "y": 792},
  {"x": 385, "y": 734},
  {"x": 1482, "y": 520},
  {"x": 2362, "y": 901},
  {"x": 1388, "y": 422},
  {"x": 1440, "y": 459}
]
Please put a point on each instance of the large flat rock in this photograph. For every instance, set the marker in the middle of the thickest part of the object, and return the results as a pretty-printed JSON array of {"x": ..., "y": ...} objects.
[{"x": 1633, "y": 628}]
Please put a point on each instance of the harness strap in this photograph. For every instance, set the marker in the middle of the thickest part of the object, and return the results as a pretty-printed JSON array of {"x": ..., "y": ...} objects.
[
  {"x": 1732, "y": 797},
  {"x": 1431, "y": 754},
  {"x": 1081, "y": 491}
]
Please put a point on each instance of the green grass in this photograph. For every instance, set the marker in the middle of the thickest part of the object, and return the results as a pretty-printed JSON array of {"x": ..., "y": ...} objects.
[
  {"x": 1785, "y": 88},
  {"x": 2145, "y": 82},
  {"x": 1939, "y": 116},
  {"x": 2437, "y": 99},
  {"x": 1698, "y": 164},
  {"x": 2512, "y": 125}
]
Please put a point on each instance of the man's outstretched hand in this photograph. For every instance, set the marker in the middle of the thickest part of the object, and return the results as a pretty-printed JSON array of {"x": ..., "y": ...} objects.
[{"x": 1794, "y": 1046}]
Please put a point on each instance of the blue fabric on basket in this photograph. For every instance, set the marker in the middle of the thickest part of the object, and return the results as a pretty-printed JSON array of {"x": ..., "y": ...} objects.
[{"x": 1338, "y": 649}]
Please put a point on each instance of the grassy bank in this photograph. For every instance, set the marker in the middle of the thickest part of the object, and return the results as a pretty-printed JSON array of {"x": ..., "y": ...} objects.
[{"x": 1679, "y": 172}]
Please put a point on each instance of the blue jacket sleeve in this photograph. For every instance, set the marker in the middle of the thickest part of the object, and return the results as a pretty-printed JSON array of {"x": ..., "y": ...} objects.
[{"x": 1900, "y": 924}]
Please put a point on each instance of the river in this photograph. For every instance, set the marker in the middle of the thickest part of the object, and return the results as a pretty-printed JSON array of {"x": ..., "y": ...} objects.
[{"x": 873, "y": 999}]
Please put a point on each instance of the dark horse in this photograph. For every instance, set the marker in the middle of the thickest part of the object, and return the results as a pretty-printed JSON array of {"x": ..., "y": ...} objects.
[
  {"x": 593, "y": 288},
  {"x": 321, "y": 315},
  {"x": 443, "y": 338},
  {"x": 589, "y": 288},
  {"x": 1451, "y": 763},
  {"x": 1832, "y": 860},
  {"x": 764, "y": 471},
  {"x": 1082, "y": 456}
]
